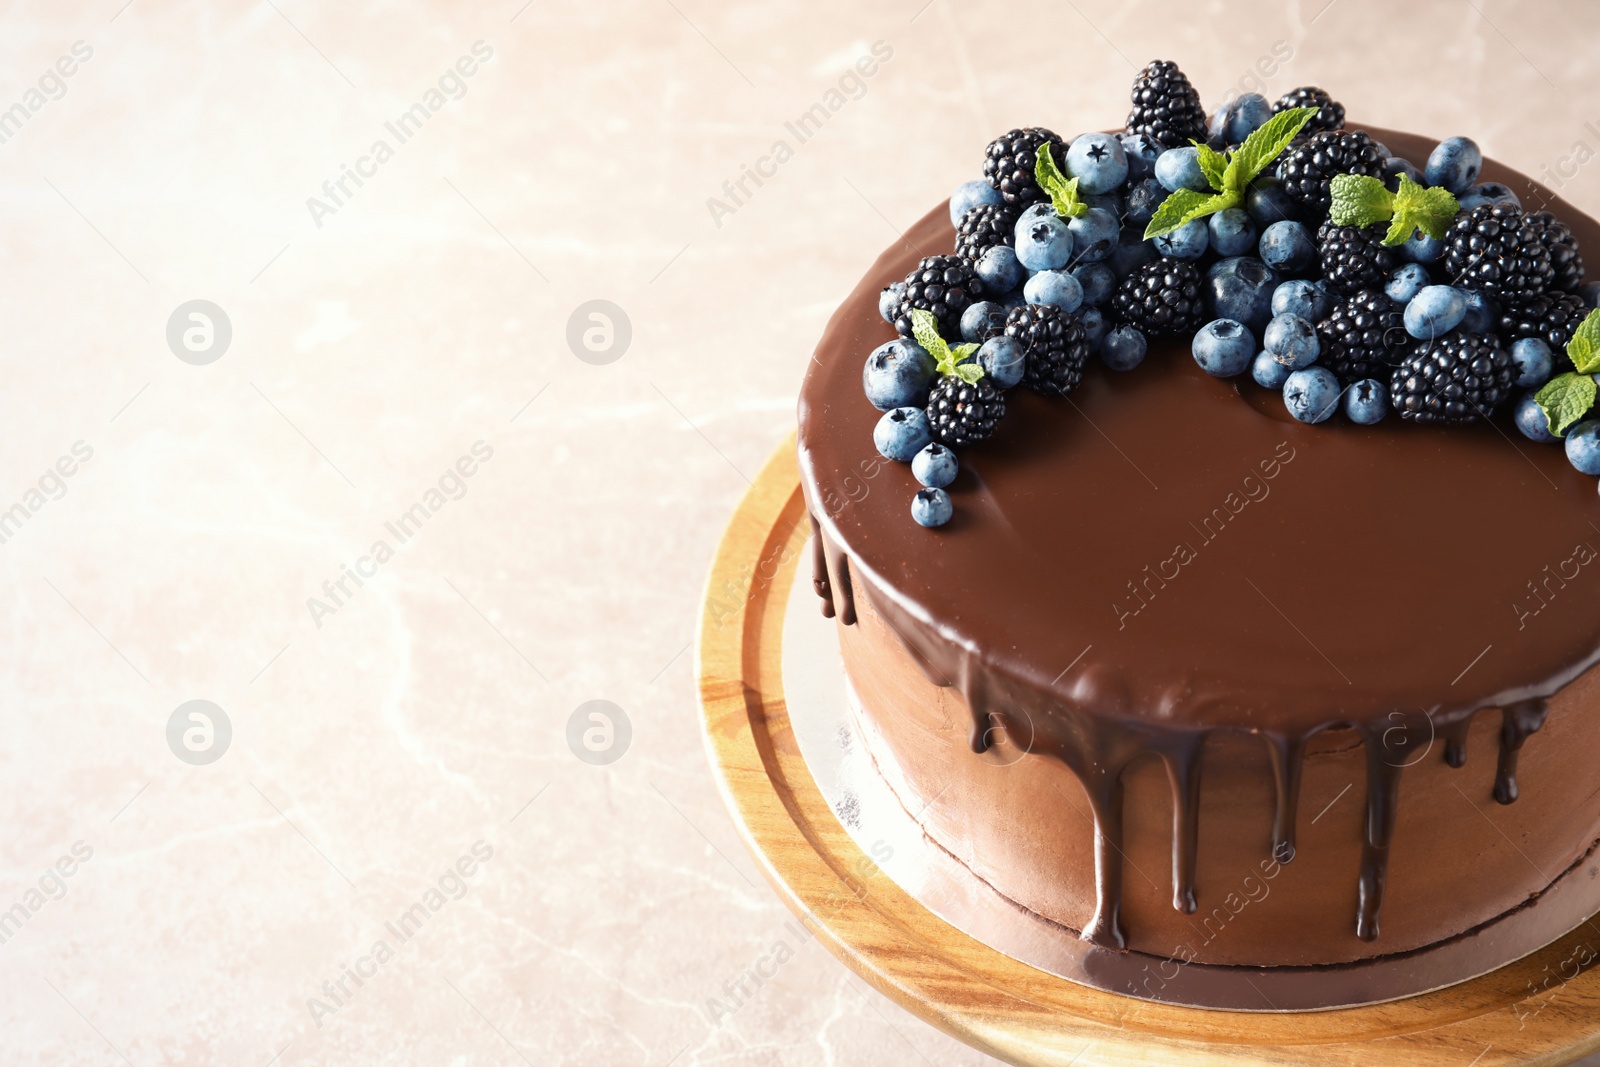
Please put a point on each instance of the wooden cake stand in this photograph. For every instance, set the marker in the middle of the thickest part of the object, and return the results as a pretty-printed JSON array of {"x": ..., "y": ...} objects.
[{"x": 1539, "y": 1010}]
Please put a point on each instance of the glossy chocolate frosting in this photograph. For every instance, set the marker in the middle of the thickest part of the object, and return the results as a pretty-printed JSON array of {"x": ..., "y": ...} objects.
[{"x": 1164, "y": 554}]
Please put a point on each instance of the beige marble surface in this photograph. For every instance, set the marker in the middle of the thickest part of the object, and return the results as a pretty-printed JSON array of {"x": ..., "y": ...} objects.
[{"x": 376, "y": 341}]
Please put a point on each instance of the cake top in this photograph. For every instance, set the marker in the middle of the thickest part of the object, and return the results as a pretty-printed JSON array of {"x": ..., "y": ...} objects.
[{"x": 1309, "y": 478}]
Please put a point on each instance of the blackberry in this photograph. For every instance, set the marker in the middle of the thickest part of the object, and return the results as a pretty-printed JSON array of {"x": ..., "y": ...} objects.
[
  {"x": 1306, "y": 171},
  {"x": 1009, "y": 160},
  {"x": 1161, "y": 297},
  {"x": 1565, "y": 259},
  {"x": 1055, "y": 344},
  {"x": 984, "y": 227},
  {"x": 1499, "y": 251},
  {"x": 1363, "y": 337},
  {"x": 1549, "y": 316},
  {"x": 1355, "y": 257},
  {"x": 1330, "y": 113},
  {"x": 1458, "y": 378},
  {"x": 1166, "y": 107},
  {"x": 963, "y": 414},
  {"x": 944, "y": 285}
]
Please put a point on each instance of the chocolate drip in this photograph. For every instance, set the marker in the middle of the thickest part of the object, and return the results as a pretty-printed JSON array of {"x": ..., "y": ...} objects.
[
  {"x": 1183, "y": 771},
  {"x": 1383, "y": 798},
  {"x": 819, "y": 568},
  {"x": 1518, "y": 722},
  {"x": 1288, "y": 757},
  {"x": 1105, "y": 800},
  {"x": 1455, "y": 741}
]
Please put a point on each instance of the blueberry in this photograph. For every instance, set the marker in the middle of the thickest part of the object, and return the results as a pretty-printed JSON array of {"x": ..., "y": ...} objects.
[
  {"x": 1141, "y": 153},
  {"x": 1480, "y": 317},
  {"x": 931, "y": 507},
  {"x": 1286, "y": 246},
  {"x": 969, "y": 195},
  {"x": 1420, "y": 248},
  {"x": 1239, "y": 117},
  {"x": 1188, "y": 241},
  {"x": 1179, "y": 168},
  {"x": 902, "y": 433},
  {"x": 1394, "y": 166},
  {"x": 1233, "y": 232},
  {"x": 1454, "y": 164},
  {"x": 1530, "y": 419},
  {"x": 1099, "y": 281},
  {"x": 1590, "y": 291},
  {"x": 1094, "y": 235},
  {"x": 1367, "y": 402},
  {"x": 1535, "y": 362},
  {"x": 1583, "y": 446},
  {"x": 1123, "y": 348},
  {"x": 1268, "y": 372},
  {"x": 1003, "y": 360},
  {"x": 1054, "y": 287},
  {"x": 1110, "y": 202},
  {"x": 1098, "y": 161},
  {"x": 1311, "y": 395},
  {"x": 898, "y": 374},
  {"x": 1310, "y": 300},
  {"x": 1240, "y": 288},
  {"x": 980, "y": 320},
  {"x": 1292, "y": 341},
  {"x": 1132, "y": 252},
  {"x": 1488, "y": 193},
  {"x": 1223, "y": 348},
  {"x": 1141, "y": 203},
  {"x": 1267, "y": 203},
  {"x": 1404, "y": 284},
  {"x": 1435, "y": 311},
  {"x": 1013, "y": 298},
  {"x": 1000, "y": 269},
  {"x": 889, "y": 301},
  {"x": 1094, "y": 325},
  {"x": 935, "y": 466},
  {"x": 1043, "y": 243},
  {"x": 1039, "y": 209}
]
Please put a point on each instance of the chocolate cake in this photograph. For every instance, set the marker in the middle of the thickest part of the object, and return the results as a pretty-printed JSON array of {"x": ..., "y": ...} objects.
[{"x": 1198, "y": 678}]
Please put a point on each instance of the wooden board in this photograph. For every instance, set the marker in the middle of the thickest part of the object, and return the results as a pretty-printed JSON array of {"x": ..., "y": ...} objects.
[{"x": 1541, "y": 1010}]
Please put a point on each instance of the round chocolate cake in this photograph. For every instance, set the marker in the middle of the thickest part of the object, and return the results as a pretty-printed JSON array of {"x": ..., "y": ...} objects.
[{"x": 1206, "y": 685}]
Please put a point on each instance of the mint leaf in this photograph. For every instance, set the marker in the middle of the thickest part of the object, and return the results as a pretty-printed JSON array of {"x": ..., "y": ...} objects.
[
  {"x": 946, "y": 360},
  {"x": 1263, "y": 146},
  {"x": 1063, "y": 191},
  {"x": 926, "y": 330},
  {"x": 1184, "y": 206},
  {"x": 1584, "y": 348},
  {"x": 1359, "y": 200},
  {"x": 1213, "y": 164},
  {"x": 1565, "y": 399},
  {"x": 1417, "y": 208}
]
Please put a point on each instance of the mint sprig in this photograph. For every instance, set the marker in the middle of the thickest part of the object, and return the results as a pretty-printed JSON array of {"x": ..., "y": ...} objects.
[
  {"x": 1569, "y": 397},
  {"x": 949, "y": 362},
  {"x": 1361, "y": 200},
  {"x": 1229, "y": 175},
  {"x": 1062, "y": 191}
]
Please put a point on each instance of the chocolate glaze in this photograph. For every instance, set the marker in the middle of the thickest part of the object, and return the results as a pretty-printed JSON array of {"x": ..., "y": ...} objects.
[{"x": 1221, "y": 566}]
